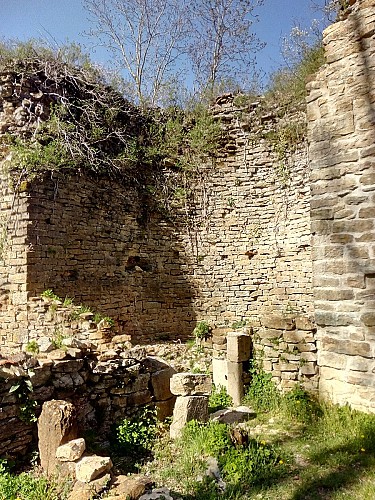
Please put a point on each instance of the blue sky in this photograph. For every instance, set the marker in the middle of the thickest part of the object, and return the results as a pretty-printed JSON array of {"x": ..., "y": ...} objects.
[{"x": 65, "y": 20}]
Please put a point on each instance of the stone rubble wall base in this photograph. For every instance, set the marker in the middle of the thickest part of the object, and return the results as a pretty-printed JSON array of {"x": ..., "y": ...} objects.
[{"x": 104, "y": 388}]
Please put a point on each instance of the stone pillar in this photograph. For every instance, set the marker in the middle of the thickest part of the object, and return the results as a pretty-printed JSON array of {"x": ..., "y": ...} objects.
[
  {"x": 56, "y": 426},
  {"x": 192, "y": 391},
  {"x": 238, "y": 352}
]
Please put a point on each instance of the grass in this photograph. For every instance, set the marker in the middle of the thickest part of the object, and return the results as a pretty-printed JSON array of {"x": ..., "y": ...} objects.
[{"x": 297, "y": 448}]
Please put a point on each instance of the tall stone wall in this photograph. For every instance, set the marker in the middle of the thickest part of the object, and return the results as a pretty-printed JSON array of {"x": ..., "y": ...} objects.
[
  {"x": 244, "y": 255},
  {"x": 341, "y": 131}
]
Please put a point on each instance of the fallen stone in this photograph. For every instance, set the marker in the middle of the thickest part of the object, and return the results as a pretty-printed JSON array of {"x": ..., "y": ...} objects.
[
  {"x": 158, "y": 494},
  {"x": 71, "y": 451},
  {"x": 86, "y": 491},
  {"x": 45, "y": 344},
  {"x": 131, "y": 487},
  {"x": 89, "y": 468},
  {"x": 233, "y": 415}
]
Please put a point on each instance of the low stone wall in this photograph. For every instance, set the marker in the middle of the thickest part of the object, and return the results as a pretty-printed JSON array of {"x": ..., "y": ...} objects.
[
  {"x": 103, "y": 388},
  {"x": 285, "y": 346}
]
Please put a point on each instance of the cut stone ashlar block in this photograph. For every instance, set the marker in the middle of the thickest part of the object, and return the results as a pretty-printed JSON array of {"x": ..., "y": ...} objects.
[
  {"x": 191, "y": 384},
  {"x": 188, "y": 408},
  {"x": 238, "y": 347}
]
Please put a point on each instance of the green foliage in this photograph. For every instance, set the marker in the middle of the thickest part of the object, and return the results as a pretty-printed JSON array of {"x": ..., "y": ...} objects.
[
  {"x": 57, "y": 339},
  {"x": 300, "y": 406},
  {"x": 32, "y": 347},
  {"x": 250, "y": 464},
  {"x": 202, "y": 330},
  {"x": 26, "y": 487},
  {"x": 137, "y": 434},
  {"x": 22, "y": 390},
  {"x": 219, "y": 399},
  {"x": 262, "y": 394},
  {"x": 288, "y": 85},
  {"x": 49, "y": 294},
  {"x": 241, "y": 323},
  {"x": 212, "y": 439}
]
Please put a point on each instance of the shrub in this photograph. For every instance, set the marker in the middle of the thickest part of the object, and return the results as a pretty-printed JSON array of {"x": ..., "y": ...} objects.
[
  {"x": 137, "y": 434},
  {"x": 202, "y": 330},
  {"x": 219, "y": 399},
  {"x": 262, "y": 394},
  {"x": 249, "y": 465}
]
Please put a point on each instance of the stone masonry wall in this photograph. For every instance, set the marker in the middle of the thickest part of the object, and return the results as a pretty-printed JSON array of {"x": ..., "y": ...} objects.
[
  {"x": 104, "y": 388},
  {"x": 244, "y": 257},
  {"x": 341, "y": 131}
]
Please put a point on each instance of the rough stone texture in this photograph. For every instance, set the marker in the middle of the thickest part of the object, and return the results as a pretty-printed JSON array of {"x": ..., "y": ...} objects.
[
  {"x": 341, "y": 130},
  {"x": 102, "y": 392},
  {"x": 131, "y": 487},
  {"x": 90, "y": 468},
  {"x": 191, "y": 384},
  {"x": 71, "y": 451},
  {"x": 238, "y": 347},
  {"x": 88, "y": 491},
  {"x": 188, "y": 408},
  {"x": 57, "y": 425},
  {"x": 251, "y": 225}
]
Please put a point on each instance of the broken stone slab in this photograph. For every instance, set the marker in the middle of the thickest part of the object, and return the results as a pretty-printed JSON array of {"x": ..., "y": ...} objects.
[
  {"x": 45, "y": 344},
  {"x": 158, "y": 494},
  {"x": 71, "y": 451},
  {"x": 131, "y": 487},
  {"x": 233, "y": 415},
  {"x": 191, "y": 384},
  {"x": 90, "y": 468},
  {"x": 188, "y": 408},
  {"x": 56, "y": 426}
]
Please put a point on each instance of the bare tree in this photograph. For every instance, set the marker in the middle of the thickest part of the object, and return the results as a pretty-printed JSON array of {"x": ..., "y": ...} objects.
[
  {"x": 145, "y": 38},
  {"x": 222, "y": 44}
]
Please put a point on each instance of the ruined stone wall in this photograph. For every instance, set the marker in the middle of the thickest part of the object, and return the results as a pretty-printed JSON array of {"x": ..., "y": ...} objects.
[
  {"x": 341, "y": 130},
  {"x": 104, "y": 388}
]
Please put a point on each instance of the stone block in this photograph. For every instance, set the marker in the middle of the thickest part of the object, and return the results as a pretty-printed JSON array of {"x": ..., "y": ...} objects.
[
  {"x": 160, "y": 382},
  {"x": 191, "y": 384},
  {"x": 278, "y": 322},
  {"x": 56, "y": 426},
  {"x": 304, "y": 323},
  {"x": 71, "y": 451},
  {"x": 90, "y": 468},
  {"x": 235, "y": 385},
  {"x": 164, "y": 409},
  {"x": 238, "y": 347},
  {"x": 188, "y": 408}
]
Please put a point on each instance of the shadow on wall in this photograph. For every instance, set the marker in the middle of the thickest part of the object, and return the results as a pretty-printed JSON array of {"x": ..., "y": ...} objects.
[{"x": 96, "y": 242}]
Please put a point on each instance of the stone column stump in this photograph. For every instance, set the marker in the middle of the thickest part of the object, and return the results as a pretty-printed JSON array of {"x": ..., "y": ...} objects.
[
  {"x": 192, "y": 391},
  {"x": 56, "y": 426}
]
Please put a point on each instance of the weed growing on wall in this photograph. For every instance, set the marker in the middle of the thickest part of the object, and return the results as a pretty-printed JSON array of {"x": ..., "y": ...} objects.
[{"x": 23, "y": 389}]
